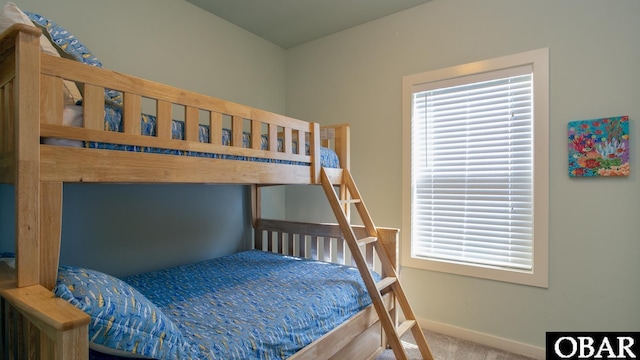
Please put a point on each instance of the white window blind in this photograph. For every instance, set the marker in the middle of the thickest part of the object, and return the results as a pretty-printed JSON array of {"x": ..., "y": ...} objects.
[{"x": 472, "y": 169}]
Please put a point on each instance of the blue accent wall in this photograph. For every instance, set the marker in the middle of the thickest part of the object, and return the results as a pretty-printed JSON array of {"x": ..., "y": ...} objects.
[
  {"x": 125, "y": 229},
  {"x": 7, "y": 218}
]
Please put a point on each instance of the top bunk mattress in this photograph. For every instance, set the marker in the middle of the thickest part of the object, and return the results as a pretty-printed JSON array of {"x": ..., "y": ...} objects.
[
  {"x": 73, "y": 116},
  {"x": 248, "y": 305}
]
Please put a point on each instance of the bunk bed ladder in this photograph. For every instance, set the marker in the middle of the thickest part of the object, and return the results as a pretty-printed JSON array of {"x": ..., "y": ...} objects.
[{"x": 389, "y": 281}]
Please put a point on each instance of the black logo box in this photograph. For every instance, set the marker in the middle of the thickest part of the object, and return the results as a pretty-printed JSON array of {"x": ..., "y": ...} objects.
[{"x": 592, "y": 345}]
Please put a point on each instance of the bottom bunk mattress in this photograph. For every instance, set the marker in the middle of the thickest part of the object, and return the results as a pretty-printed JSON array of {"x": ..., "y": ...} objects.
[{"x": 248, "y": 305}]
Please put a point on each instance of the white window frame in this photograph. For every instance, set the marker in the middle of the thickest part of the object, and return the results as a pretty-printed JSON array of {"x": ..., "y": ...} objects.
[{"x": 538, "y": 275}]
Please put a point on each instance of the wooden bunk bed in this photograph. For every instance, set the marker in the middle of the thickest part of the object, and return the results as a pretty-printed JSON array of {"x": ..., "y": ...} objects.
[{"x": 37, "y": 324}]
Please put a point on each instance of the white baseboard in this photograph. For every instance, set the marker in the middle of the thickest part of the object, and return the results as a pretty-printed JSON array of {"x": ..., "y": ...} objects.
[{"x": 484, "y": 339}]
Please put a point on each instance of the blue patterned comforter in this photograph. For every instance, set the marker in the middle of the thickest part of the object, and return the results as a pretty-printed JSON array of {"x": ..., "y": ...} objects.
[
  {"x": 113, "y": 122},
  {"x": 253, "y": 304}
]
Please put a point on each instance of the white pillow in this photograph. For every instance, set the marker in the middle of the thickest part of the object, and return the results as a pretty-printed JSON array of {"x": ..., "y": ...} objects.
[
  {"x": 72, "y": 115},
  {"x": 10, "y": 15}
]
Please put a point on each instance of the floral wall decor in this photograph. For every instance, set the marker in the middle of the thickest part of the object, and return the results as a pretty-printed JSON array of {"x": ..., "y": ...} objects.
[{"x": 599, "y": 147}]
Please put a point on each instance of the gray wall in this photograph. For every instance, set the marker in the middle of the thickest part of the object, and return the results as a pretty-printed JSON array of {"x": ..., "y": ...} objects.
[
  {"x": 594, "y": 223},
  {"x": 122, "y": 229}
]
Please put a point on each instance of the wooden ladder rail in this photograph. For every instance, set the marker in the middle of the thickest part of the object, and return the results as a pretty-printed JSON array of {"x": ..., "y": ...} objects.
[{"x": 390, "y": 278}]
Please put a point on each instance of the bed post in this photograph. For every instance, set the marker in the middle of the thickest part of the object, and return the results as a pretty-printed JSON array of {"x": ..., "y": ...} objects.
[
  {"x": 314, "y": 145},
  {"x": 256, "y": 215},
  {"x": 27, "y": 156},
  {"x": 343, "y": 145},
  {"x": 338, "y": 138},
  {"x": 389, "y": 238},
  {"x": 343, "y": 149},
  {"x": 50, "y": 232}
]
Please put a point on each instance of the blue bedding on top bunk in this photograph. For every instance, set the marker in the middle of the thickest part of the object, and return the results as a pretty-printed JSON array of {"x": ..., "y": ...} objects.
[
  {"x": 113, "y": 122},
  {"x": 249, "y": 305}
]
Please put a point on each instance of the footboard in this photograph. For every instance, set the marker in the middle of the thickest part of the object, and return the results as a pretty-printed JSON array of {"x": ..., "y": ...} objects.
[
  {"x": 361, "y": 337},
  {"x": 319, "y": 241}
]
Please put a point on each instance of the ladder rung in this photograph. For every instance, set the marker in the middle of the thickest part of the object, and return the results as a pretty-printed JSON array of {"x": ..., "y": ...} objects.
[
  {"x": 404, "y": 327},
  {"x": 385, "y": 283},
  {"x": 367, "y": 240},
  {"x": 350, "y": 201}
]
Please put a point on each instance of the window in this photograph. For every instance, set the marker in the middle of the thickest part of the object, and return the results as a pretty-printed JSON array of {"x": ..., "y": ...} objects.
[{"x": 475, "y": 169}]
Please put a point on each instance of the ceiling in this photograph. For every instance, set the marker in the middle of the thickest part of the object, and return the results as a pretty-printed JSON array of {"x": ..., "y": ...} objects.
[{"x": 288, "y": 23}]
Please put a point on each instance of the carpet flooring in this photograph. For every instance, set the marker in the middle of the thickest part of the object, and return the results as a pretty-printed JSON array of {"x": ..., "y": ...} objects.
[{"x": 449, "y": 348}]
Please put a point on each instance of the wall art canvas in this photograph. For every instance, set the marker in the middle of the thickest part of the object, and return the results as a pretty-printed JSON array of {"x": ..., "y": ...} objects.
[{"x": 599, "y": 147}]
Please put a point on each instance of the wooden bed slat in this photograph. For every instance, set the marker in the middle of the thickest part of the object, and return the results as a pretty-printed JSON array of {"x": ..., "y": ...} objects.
[
  {"x": 215, "y": 128},
  {"x": 192, "y": 123},
  {"x": 236, "y": 131},
  {"x": 93, "y": 105},
  {"x": 288, "y": 143},
  {"x": 51, "y": 100},
  {"x": 301, "y": 139},
  {"x": 256, "y": 135},
  {"x": 131, "y": 114},
  {"x": 163, "y": 119},
  {"x": 273, "y": 137}
]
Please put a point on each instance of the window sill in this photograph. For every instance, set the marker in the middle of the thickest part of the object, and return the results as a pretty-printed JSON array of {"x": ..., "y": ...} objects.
[{"x": 538, "y": 277}]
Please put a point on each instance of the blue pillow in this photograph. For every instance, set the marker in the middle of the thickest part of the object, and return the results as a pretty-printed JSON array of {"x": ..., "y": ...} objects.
[
  {"x": 65, "y": 41},
  {"x": 70, "y": 47},
  {"x": 123, "y": 321}
]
